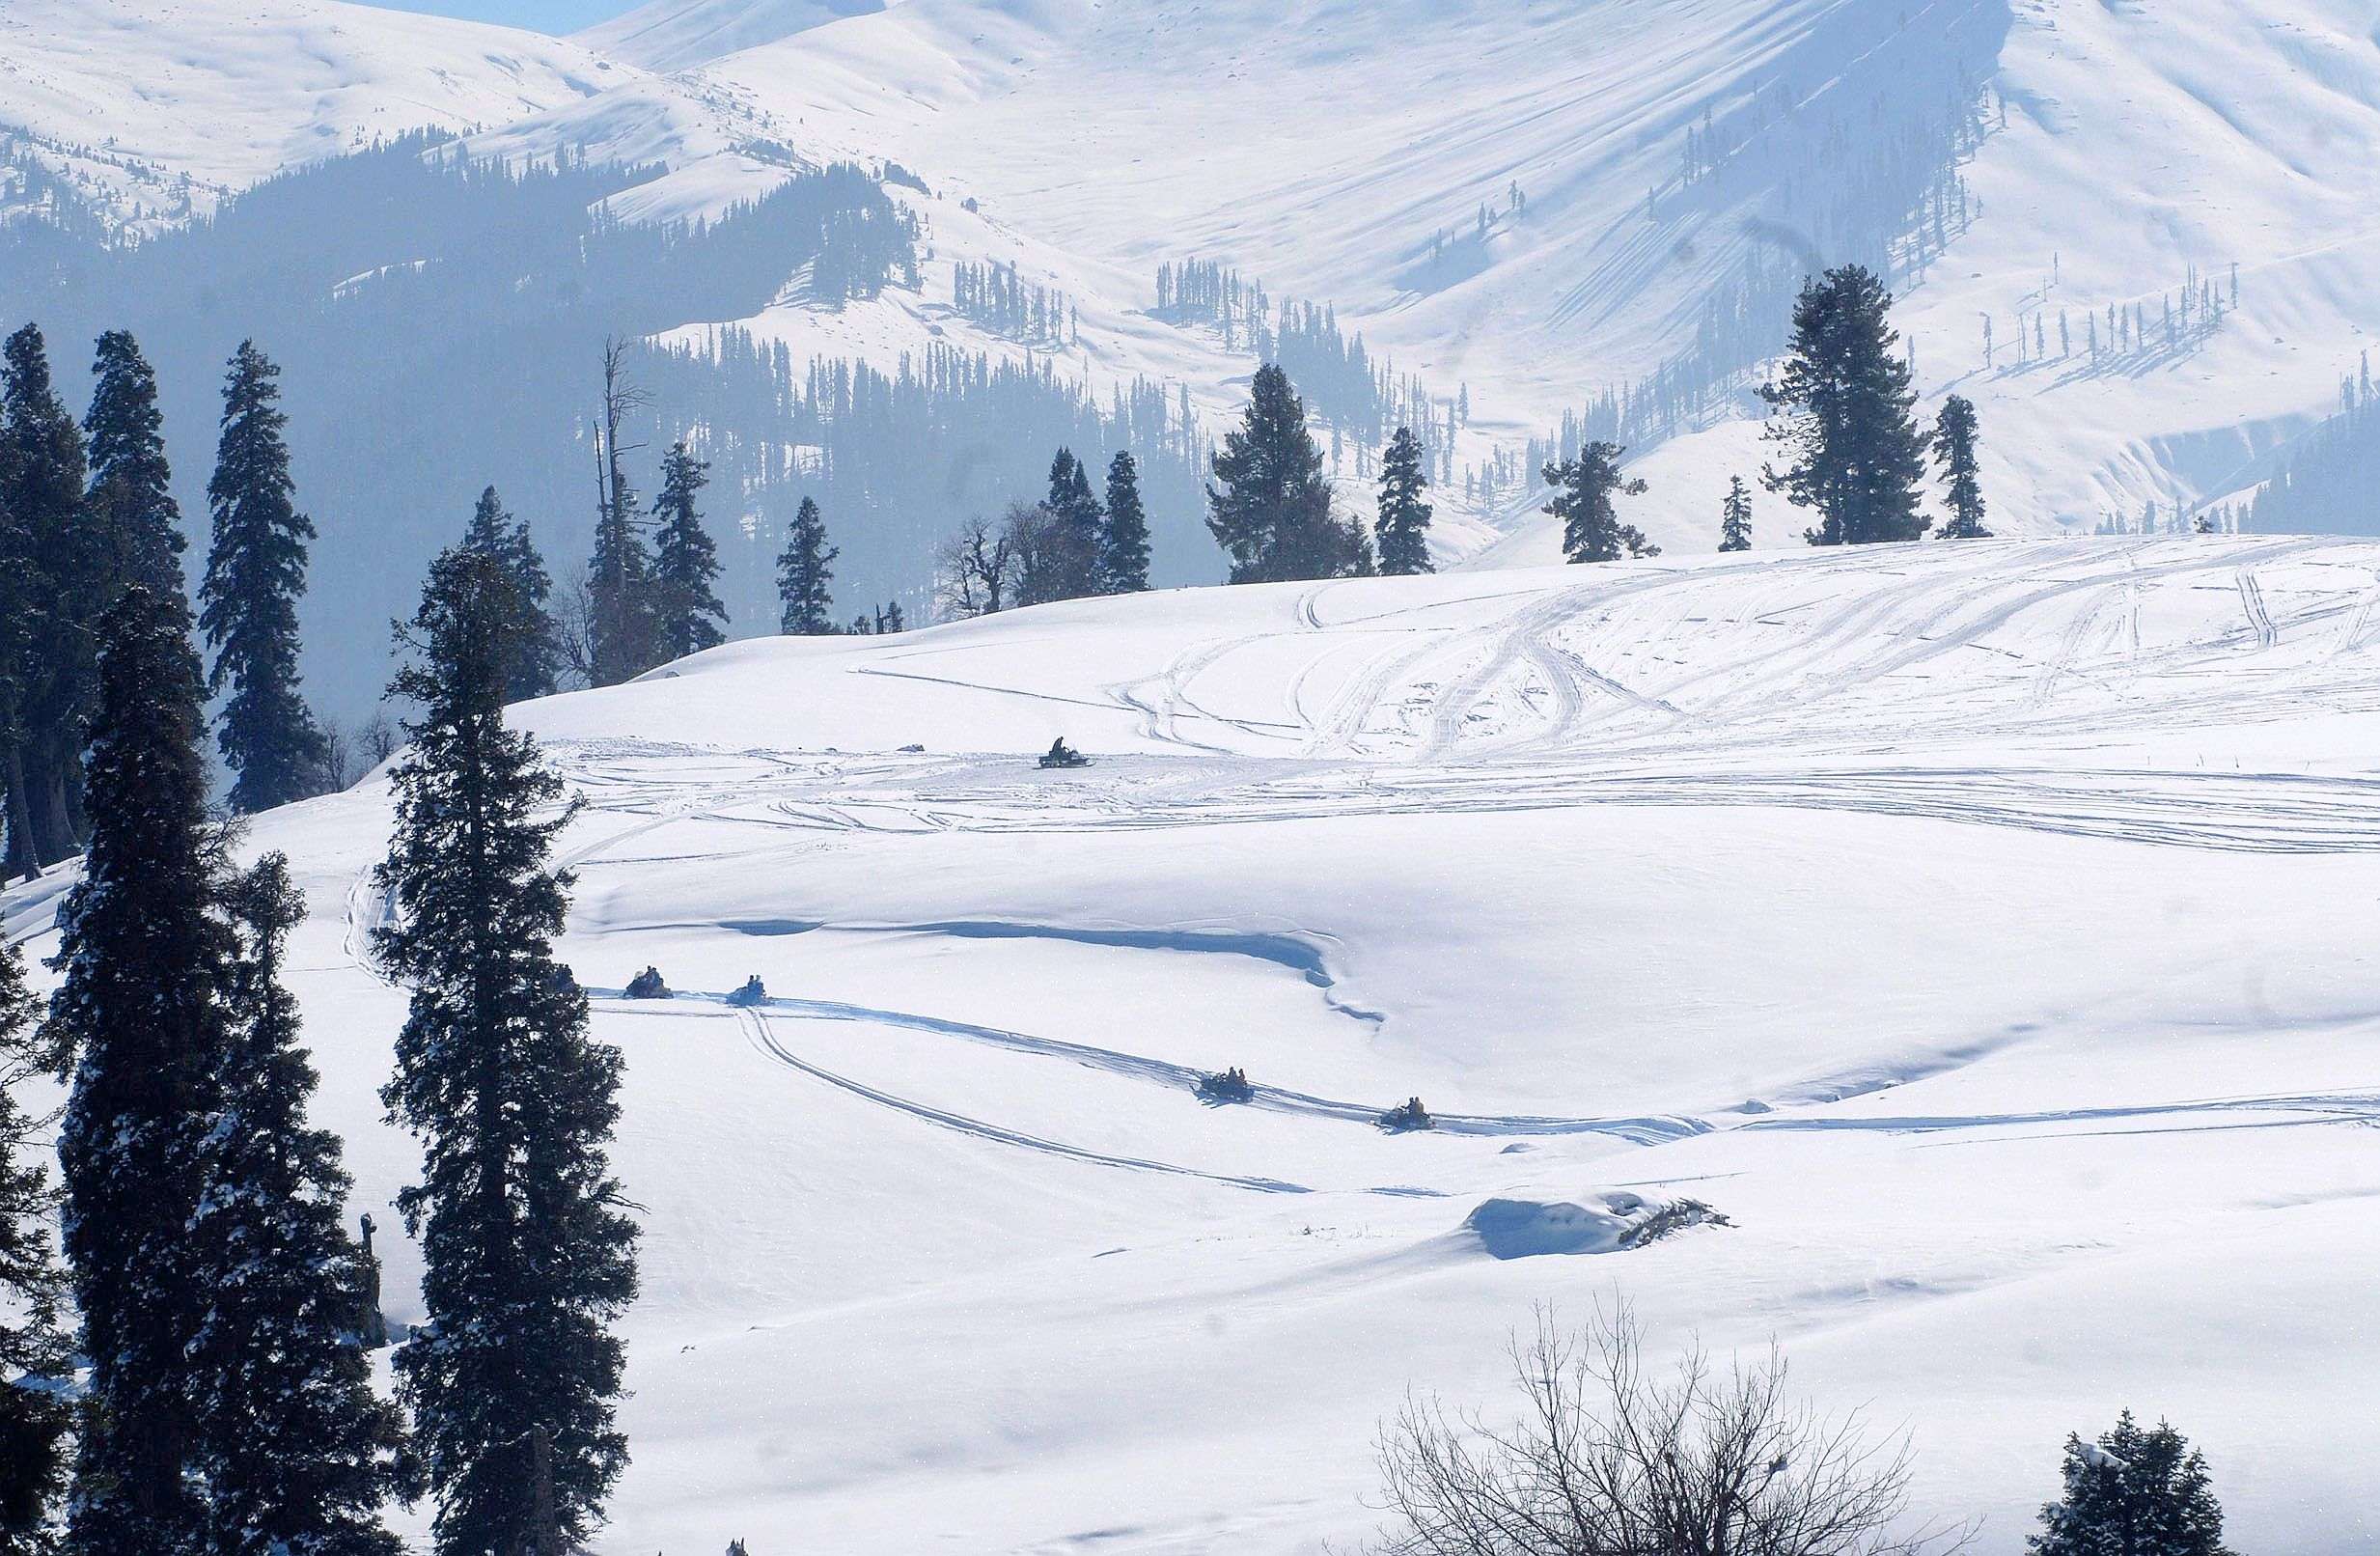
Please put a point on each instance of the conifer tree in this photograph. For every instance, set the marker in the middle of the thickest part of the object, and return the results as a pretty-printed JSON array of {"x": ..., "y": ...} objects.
[
  {"x": 805, "y": 569},
  {"x": 624, "y": 617},
  {"x": 1123, "y": 542},
  {"x": 1736, "y": 517},
  {"x": 143, "y": 953},
  {"x": 36, "y": 1363},
  {"x": 527, "y": 1259},
  {"x": 1269, "y": 507},
  {"x": 295, "y": 1451},
  {"x": 685, "y": 562},
  {"x": 1071, "y": 524},
  {"x": 131, "y": 494},
  {"x": 533, "y": 642},
  {"x": 2133, "y": 1494},
  {"x": 56, "y": 579},
  {"x": 1954, "y": 445},
  {"x": 1855, "y": 454},
  {"x": 1591, "y": 528},
  {"x": 1402, "y": 529},
  {"x": 256, "y": 570}
]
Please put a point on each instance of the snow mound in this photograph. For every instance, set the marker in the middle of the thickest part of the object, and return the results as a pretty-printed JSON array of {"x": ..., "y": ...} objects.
[{"x": 1530, "y": 1228}]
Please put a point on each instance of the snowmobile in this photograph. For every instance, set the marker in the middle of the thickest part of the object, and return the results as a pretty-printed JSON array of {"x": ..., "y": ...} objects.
[
  {"x": 1232, "y": 1085},
  {"x": 750, "y": 995},
  {"x": 1061, "y": 755},
  {"x": 1407, "y": 1117},
  {"x": 647, "y": 985}
]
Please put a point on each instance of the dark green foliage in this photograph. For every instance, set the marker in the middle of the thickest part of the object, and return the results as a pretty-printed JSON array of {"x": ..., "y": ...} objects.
[
  {"x": 532, "y": 642},
  {"x": 1269, "y": 507},
  {"x": 144, "y": 957},
  {"x": 1736, "y": 517},
  {"x": 1854, "y": 452},
  {"x": 1065, "y": 554},
  {"x": 2133, "y": 1494},
  {"x": 297, "y": 1452},
  {"x": 685, "y": 562},
  {"x": 527, "y": 1258},
  {"x": 36, "y": 1362},
  {"x": 805, "y": 573},
  {"x": 131, "y": 494},
  {"x": 256, "y": 570},
  {"x": 1402, "y": 529},
  {"x": 1591, "y": 528},
  {"x": 1123, "y": 545},
  {"x": 1953, "y": 444},
  {"x": 52, "y": 584}
]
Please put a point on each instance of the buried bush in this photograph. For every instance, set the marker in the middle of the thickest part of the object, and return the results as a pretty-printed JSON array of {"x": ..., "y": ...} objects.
[{"x": 1608, "y": 1455}]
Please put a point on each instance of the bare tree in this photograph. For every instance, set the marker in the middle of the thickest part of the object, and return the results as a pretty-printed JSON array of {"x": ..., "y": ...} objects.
[
  {"x": 378, "y": 736},
  {"x": 574, "y": 625},
  {"x": 339, "y": 768},
  {"x": 1608, "y": 1458},
  {"x": 973, "y": 570},
  {"x": 1040, "y": 561}
]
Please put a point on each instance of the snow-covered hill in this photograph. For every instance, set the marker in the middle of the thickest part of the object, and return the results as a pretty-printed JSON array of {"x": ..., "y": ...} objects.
[{"x": 1985, "y": 930}]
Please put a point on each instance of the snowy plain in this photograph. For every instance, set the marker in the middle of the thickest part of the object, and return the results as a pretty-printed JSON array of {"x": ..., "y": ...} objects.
[{"x": 1986, "y": 929}]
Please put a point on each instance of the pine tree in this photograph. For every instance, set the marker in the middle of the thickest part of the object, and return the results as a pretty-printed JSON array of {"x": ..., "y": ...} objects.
[
  {"x": 2133, "y": 1494},
  {"x": 623, "y": 618},
  {"x": 1271, "y": 505},
  {"x": 56, "y": 579},
  {"x": 533, "y": 642},
  {"x": 1854, "y": 450},
  {"x": 527, "y": 1259},
  {"x": 1402, "y": 529},
  {"x": 805, "y": 568},
  {"x": 143, "y": 955},
  {"x": 131, "y": 494},
  {"x": 685, "y": 560},
  {"x": 256, "y": 570},
  {"x": 36, "y": 1362},
  {"x": 1070, "y": 567},
  {"x": 1736, "y": 517},
  {"x": 1954, "y": 445},
  {"x": 295, "y": 1451},
  {"x": 1123, "y": 542},
  {"x": 1590, "y": 529}
]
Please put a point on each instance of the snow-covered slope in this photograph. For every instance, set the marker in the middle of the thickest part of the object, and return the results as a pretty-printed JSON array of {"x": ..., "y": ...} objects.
[
  {"x": 128, "y": 99},
  {"x": 671, "y": 35},
  {"x": 1986, "y": 929}
]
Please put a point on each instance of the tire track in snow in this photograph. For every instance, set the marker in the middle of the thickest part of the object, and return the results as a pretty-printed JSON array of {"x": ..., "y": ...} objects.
[{"x": 1648, "y": 1131}]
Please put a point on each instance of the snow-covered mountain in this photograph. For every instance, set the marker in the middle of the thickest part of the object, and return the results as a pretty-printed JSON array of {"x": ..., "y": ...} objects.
[{"x": 1985, "y": 930}]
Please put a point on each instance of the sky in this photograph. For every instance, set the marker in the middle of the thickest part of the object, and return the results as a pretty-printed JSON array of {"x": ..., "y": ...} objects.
[{"x": 545, "y": 16}]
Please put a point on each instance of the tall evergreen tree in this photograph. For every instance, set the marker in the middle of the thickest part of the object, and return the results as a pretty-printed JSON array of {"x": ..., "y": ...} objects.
[
  {"x": 526, "y": 1257},
  {"x": 805, "y": 571},
  {"x": 256, "y": 570},
  {"x": 1854, "y": 451},
  {"x": 2133, "y": 1494},
  {"x": 1402, "y": 529},
  {"x": 143, "y": 955},
  {"x": 1953, "y": 444},
  {"x": 1073, "y": 528},
  {"x": 623, "y": 615},
  {"x": 295, "y": 1451},
  {"x": 685, "y": 560},
  {"x": 1269, "y": 507},
  {"x": 131, "y": 494},
  {"x": 57, "y": 583},
  {"x": 1736, "y": 517},
  {"x": 533, "y": 642},
  {"x": 1124, "y": 542},
  {"x": 1590, "y": 527},
  {"x": 36, "y": 1363}
]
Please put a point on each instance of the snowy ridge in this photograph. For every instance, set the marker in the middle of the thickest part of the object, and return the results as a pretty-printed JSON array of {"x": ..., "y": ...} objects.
[{"x": 1982, "y": 930}]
